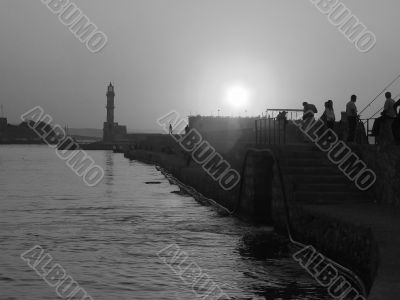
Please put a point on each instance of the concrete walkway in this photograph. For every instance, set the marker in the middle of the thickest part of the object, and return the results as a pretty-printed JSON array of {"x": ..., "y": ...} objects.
[{"x": 384, "y": 222}]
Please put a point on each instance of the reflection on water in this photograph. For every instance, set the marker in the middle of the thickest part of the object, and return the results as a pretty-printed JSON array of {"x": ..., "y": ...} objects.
[
  {"x": 108, "y": 172},
  {"x": 108, "y": 237}
]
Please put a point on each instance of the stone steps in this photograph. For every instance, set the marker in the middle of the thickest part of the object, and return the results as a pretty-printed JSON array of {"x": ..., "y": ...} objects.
[
  {"x": 308, "y": 162},
  {"x": 312, "y": 179},
  {"x": 330, "y": 196},
  {"x": 316, "y": 179},
  {"x": 327, "y": 186},
  {"x": 305, "y": 154},
  {"x": 320, "y": 170}
]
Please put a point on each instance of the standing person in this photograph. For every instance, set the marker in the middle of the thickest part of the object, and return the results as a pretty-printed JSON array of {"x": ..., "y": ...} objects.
[
  {"x": 330, "y": 115},
  {"x": 389, "y": 115},
  {"x": 170, "y": 128},
  {"x": 389, "y": 108},
  {"x": 308, "y": 116},
  {"x": 395, "y": 106},
  {"x": 323, "y": 117},
  {"x": 282, "y": 116},
  {"x": 351, "y": 112},
  {"x": 396, "y": 124},
  {"x": 308, "y": 111}
]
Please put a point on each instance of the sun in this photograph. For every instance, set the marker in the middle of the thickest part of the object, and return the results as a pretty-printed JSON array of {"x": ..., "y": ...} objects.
[{"x": 237, "y": 95}]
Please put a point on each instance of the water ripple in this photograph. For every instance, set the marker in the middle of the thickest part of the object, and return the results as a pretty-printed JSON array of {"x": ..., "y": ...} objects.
[{"x": 107, "y": 238}]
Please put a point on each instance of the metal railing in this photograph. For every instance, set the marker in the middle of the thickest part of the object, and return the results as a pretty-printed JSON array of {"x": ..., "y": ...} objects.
[
  {"x": 286, "y": 183},
  {"x": 270, "y": 131},
  {"x": 291, "y": 114},
  {"x": 369, "y": 125}
]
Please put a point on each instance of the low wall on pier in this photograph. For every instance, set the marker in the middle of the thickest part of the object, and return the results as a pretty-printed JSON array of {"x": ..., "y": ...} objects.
[{"x": 385, "y": 162}]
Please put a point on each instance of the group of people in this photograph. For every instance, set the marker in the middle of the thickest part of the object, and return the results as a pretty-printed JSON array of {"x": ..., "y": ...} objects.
[
  {"x": 328, "y": 117},
  {"x": 388, "y": 123}
]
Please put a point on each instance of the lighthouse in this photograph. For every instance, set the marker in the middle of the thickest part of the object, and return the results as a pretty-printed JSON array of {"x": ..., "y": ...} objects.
[
  {"x": 109, "y": 126},
  {"x": 112, "y": 132},
  {"x": 110, "y": 104}
]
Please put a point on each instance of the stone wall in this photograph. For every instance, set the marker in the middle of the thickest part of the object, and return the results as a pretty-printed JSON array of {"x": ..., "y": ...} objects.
[
  {"x": 385, "y": 162},
  {"x": 256, "y": 187},
  {"x": 348, "y": 244}
]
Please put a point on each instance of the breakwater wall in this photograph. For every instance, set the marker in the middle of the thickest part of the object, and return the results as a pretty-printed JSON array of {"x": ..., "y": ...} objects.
[
  {"x": 261, "y": 199},
  {"x": 249, "y": 200},
  {"x": 190, "y": 174}
]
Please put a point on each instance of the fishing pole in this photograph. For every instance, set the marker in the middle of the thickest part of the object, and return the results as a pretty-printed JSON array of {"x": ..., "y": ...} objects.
[
  {"x": 397, "y": 78},
  {"x": 379, "y": 111}
]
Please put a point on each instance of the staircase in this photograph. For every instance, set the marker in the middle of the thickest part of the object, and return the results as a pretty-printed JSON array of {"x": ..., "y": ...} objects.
[{"x": 315, "y": 179}]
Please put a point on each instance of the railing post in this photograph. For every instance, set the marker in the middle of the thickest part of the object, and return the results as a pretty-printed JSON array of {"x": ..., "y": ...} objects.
[
  {"x": 255, "y": 123},
  {"x": 284, "y": 132},
  {"x": 269, "y": 130},
  {"x": 279, "y": 131},
  {"x": 265, "y": 131}
]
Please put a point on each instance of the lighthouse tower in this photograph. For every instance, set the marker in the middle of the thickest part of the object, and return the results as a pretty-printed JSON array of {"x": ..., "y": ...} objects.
[
  {"x": 109, "y": 126},
  {"x": 112, "y": 132},
  {"x": 110, "y": 104}
]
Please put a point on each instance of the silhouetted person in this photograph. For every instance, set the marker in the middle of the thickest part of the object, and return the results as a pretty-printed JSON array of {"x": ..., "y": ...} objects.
[
  {"x": 389, "y": 114},
  {"x": 389, "y": 109},
  {"x": 282, "y": 116},
  {"x": 351, "y": 112},
  {"x": 396, "y": 106},
  {"x": 309, "y": 111},
  {"x": 187, "y": 129},
  {"x": 376, "y": 128},
  {"x": 323, "y": 117},
  {"x": 329, "y": 115},
  {"x": 396, "y": 124},
  {"x": 170, "y": 129}
]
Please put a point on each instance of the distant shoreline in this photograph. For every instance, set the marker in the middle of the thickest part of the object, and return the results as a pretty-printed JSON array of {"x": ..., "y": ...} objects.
[{"x": 21, "y": 143}]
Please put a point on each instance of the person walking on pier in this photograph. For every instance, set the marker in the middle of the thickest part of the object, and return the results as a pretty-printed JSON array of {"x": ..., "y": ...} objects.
[{"x": 351, "y": 112}]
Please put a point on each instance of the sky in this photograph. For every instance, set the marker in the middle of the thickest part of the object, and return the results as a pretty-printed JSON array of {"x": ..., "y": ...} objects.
[{"x": 187, "y": 55}]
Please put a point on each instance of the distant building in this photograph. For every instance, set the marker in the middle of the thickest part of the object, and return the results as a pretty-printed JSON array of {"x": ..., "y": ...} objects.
[
  {"x": 112, "y": 132},
  {"x": 206, "y": 124},
  {"x": 223, "y": 133}
]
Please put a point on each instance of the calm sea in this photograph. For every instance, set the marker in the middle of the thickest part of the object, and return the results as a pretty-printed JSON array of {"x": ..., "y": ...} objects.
[{"x": 107, "y": 237}]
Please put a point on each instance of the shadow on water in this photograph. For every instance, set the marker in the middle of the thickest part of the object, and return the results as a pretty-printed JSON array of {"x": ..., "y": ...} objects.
[
  {"x": 264, "y": 245},
  {"x": 267, "y": 266},
  {"x": 275, "y": 251}
]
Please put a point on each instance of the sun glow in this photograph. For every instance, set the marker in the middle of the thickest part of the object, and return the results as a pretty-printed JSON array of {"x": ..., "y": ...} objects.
[{"x": 238, "y": 96}]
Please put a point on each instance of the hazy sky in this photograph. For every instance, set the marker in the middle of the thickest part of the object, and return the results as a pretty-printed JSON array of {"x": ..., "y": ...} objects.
[{"x": 183, "y": 54}]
